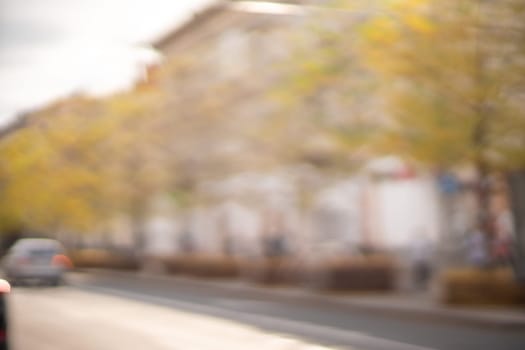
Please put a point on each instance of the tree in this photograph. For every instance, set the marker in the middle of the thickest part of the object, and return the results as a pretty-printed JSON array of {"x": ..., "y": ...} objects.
[
  {"x": 440, "y": 83},
  {"x": 80, "y": 161},
  {"x": 48, "y": 179},
  {"x": 328, "y": 93},
  {"x": 453, "y": 74}
]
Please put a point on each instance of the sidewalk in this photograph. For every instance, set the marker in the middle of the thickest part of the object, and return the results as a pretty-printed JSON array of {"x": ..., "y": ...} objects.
[
  {"x": 409, "y": 306},
  {"x": 67, "y": 318}
]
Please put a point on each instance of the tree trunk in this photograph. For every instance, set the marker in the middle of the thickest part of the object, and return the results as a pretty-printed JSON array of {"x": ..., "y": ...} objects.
[
  {"x": 137, "y": 217},
  {"x": 517, "y": 190},
  {"x": 483, "y": 197}
]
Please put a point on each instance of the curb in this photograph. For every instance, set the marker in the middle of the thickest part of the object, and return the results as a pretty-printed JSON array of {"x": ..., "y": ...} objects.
[{"x": 465, "y": 316}]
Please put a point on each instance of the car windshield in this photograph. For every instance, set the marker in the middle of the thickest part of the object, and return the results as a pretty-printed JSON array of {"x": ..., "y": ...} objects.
[
  {"x": 42, "y": 252},
  {"x": 37, "y": 247}
]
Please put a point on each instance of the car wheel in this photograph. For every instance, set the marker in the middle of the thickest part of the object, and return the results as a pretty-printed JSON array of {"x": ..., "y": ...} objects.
[{"x": 14, "y": 282}]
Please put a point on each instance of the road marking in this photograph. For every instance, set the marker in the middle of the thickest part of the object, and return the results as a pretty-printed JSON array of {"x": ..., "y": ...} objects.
[{"x": 352, "y": 338}]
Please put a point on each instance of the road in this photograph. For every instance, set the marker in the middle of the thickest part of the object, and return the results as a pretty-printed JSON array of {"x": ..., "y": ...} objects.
[{"x": 97, "y": 310}]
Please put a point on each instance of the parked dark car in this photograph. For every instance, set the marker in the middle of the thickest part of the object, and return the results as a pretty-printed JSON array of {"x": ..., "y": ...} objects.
[{"x": 4, "y": 289}]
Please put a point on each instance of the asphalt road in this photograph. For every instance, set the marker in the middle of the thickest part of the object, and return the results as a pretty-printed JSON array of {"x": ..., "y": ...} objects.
[{"x": 319, "y": 323}]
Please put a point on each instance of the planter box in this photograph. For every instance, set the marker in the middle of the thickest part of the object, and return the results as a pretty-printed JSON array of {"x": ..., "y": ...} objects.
[
  {"x": 104, "y": 259},
  {"x": 372, "y": 273},
  {"x": 274, "y": 271},
  {"x": 203, "y": 266},
  {"x": 481, "y": 286}
]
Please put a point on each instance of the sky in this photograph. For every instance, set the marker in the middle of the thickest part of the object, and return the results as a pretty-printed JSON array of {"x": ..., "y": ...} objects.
[{"x": 52, "y": 48}]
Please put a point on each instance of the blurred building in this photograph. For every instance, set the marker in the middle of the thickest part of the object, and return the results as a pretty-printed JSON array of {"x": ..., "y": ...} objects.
[
  {"x": 221, "y": 64},
  {"x": 224, "y": 63}
]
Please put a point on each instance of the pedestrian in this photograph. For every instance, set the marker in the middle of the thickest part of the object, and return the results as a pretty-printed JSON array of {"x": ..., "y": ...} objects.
[
  {"x": 501, "y": 245},
  {"x": 422, "y": 255},
  {"x": 476, "y": 244}
]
